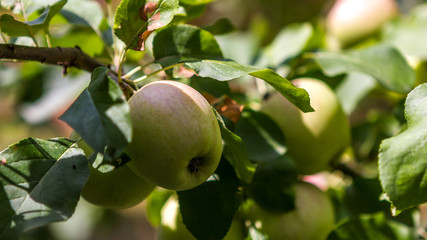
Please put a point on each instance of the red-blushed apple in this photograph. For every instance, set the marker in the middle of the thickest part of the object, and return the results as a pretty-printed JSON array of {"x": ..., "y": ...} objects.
[
  {"x": 312, "y": 219},
  {"x": 351, "y": 20},
  {"x": 172, "y": 227},
  {"x": 313, "y": 139},
  {"x": 176, "y": 141},
  {"x": 118, "y": 189}
]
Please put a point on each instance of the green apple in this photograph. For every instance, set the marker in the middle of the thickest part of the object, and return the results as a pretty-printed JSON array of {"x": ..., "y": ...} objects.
[
  {"x": 118, "y": 189},
  {"x": 352, "y": 20},
  {"x": 312, "y": 219},
  {"x": 176, "y": 141},
  {"x": 313, "y": 139},
  {"x": 172, "y": 227}
]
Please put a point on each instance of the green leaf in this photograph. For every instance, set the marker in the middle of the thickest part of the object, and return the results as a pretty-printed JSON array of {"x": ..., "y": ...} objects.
[
  {"x": 177, "y": 41},
  {"x": 208, "y": 210},
  {"x": 353, "y": 89},
  {"x": 199, "y": 50},
  {"x": 224, "y": 70},
  {"x": 101, "y": 115},
  {"x": 384, "y": 63},
  {"x": 135, "y": 20},
  {"x": 263, "y": 138},
  {"x": 83, "y": 12},
  {"x": 41, "y": 181},
  {"x": 221, "y": 26},
  {"x": 273, "y": 185},
  {"x": 15, "y": 28},
  {"x": 372, "y": 227},
  {"x": 235, "y": 152},
  {"x": 363, "y": 196},
  {"x": 298, "y": 96},
  {"x": 402, "y": 158},
  {"x": 289, "y": 42},
  {"x": 209, "y": 85}
]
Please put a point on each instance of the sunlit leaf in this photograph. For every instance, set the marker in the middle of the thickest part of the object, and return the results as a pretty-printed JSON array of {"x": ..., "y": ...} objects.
[
  {"x": 15, "y": 28},
  {"x": 384, "y": 63},
  {"x": 135, "y": 20},
  {"x": 402, "y": 158},
  {"x": 372, "y": 227}
]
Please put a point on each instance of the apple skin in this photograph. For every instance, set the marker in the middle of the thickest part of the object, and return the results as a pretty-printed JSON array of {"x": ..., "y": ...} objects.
[
  {"x": 313, "y": 139},
  {"x": 118, "y": 189},
  {"x": 352, "y": 20},
  {"x": 176, "y": 140},
  {"x": 312, "y": 219},
  {"x": 172, "y": 227}
]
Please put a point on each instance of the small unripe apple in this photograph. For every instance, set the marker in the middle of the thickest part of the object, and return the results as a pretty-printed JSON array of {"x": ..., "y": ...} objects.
[
  {"x": 313, "y": 217},
  {"x": 118, "y": 189},
  {"x": 172, "y": 227},
  {"x": 176, "y": 141},
  {"x": 313, "y": 139},
  {"x": 352, "y": 20}
]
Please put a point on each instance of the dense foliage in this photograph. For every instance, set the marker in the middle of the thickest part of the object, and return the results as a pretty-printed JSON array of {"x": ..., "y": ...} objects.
[{"x": 73, "y": 65}]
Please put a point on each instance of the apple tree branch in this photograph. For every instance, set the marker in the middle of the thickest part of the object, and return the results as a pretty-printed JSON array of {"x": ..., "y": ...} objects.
[{"x": 62, "y": 56}]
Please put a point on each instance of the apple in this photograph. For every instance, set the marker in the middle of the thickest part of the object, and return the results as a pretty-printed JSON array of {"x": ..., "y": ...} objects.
[
  {"x": 176, "y": 141},
  {"x": 349, "y": 21},
  {"x": 313, "y": 139},
  {"x": 313, "y": 217},
  {"x": 172, "y": 227},
  {"x": 118, "y": 189}
]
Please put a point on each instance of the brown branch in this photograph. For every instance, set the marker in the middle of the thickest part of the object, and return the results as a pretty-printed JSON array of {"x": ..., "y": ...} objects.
[{"x": 66, "y": 56}]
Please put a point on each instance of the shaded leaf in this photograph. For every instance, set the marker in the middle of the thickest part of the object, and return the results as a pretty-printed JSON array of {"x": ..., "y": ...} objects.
[
  {"x": 235, "y": 152},
  {"x": 208, "y": 210},
  {"x": 273, "y": 184},
  {"x": 101, "y": 115},
  {"x": 372, "y": 227},
  {"x": 41, "y": 181},
  {"x": 221, "y": 26},
  {"x": 15, "y": 28},
  {"x": 384, "y": 63},
  {"x": 135, "y": 20},
  {"x": 187, "y": 41},
  {"x": 402, "y": 158},
  {"x": 263, "y": 138}
]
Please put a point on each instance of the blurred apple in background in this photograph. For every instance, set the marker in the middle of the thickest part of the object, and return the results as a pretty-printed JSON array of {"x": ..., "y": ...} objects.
[
  {"x": 313, "y": 217},
  {"x": 316, "y": 138},
  {"x": 352, "y": 20}
]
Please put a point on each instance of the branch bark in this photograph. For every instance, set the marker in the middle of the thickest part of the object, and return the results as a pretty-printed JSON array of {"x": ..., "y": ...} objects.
[{"x": 66, "y": 56}]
